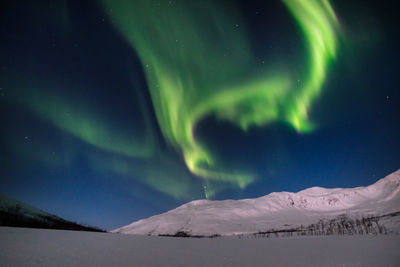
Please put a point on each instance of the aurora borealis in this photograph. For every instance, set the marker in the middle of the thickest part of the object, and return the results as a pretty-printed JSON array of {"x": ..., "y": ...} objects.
[
  {"x": 143, "y": 105},
  {"x": 184, "y": 88}
]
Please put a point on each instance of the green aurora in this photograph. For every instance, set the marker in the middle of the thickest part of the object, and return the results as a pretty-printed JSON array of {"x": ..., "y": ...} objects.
[
  {"x": 192, "y": 53},
  {"x": 198, "y": 63},
  {"x": 113, "y": 111}
]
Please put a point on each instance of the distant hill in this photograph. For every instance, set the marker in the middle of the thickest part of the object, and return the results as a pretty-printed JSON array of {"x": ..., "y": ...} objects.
[{"x": 19, "y": 214}]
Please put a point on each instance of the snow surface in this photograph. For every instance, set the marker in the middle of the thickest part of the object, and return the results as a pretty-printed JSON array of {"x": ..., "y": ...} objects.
[
  {"x": 283, "y": 210},
  {"x": 39, "y": 247}
]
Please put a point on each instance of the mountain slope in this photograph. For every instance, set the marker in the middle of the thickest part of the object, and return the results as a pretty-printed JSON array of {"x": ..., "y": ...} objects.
[
  {"x": 282, "y": 211},
  {"x": 20, "y": 214}
]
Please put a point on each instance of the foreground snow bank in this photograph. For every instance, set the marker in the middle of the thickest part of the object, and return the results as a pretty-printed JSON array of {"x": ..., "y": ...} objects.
[{"x": 34, "y": 247}]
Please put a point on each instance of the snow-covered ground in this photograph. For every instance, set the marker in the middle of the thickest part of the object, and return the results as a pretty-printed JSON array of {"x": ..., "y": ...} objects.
[
  {"x": 343, "y": 207},
  {"x": 37, "y": 247}
]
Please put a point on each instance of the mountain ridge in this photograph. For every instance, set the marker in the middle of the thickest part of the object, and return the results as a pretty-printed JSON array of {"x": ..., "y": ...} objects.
[{"x": 277, "y": 210}]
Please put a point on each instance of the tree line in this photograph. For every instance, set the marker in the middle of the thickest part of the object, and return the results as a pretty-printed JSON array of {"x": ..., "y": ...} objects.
[{"x": 341, "y": 225}]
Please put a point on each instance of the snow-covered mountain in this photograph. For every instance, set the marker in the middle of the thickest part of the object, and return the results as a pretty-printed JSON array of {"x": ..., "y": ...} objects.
[{"x": 346, "y": 209}]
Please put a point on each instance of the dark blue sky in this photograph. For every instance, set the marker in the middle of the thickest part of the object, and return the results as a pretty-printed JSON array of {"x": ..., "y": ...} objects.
[{"x": 75, "y": 105}]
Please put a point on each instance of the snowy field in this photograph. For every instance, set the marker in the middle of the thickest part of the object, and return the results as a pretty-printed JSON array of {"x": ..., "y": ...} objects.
[{"x": 37, "y": 247}]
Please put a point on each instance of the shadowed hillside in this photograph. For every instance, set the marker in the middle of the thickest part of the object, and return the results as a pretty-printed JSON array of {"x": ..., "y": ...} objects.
[{"x": 18, "y": 214}]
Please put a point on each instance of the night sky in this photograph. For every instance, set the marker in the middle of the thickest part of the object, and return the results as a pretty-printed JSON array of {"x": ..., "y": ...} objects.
[{"x": 112, "y": 111}]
